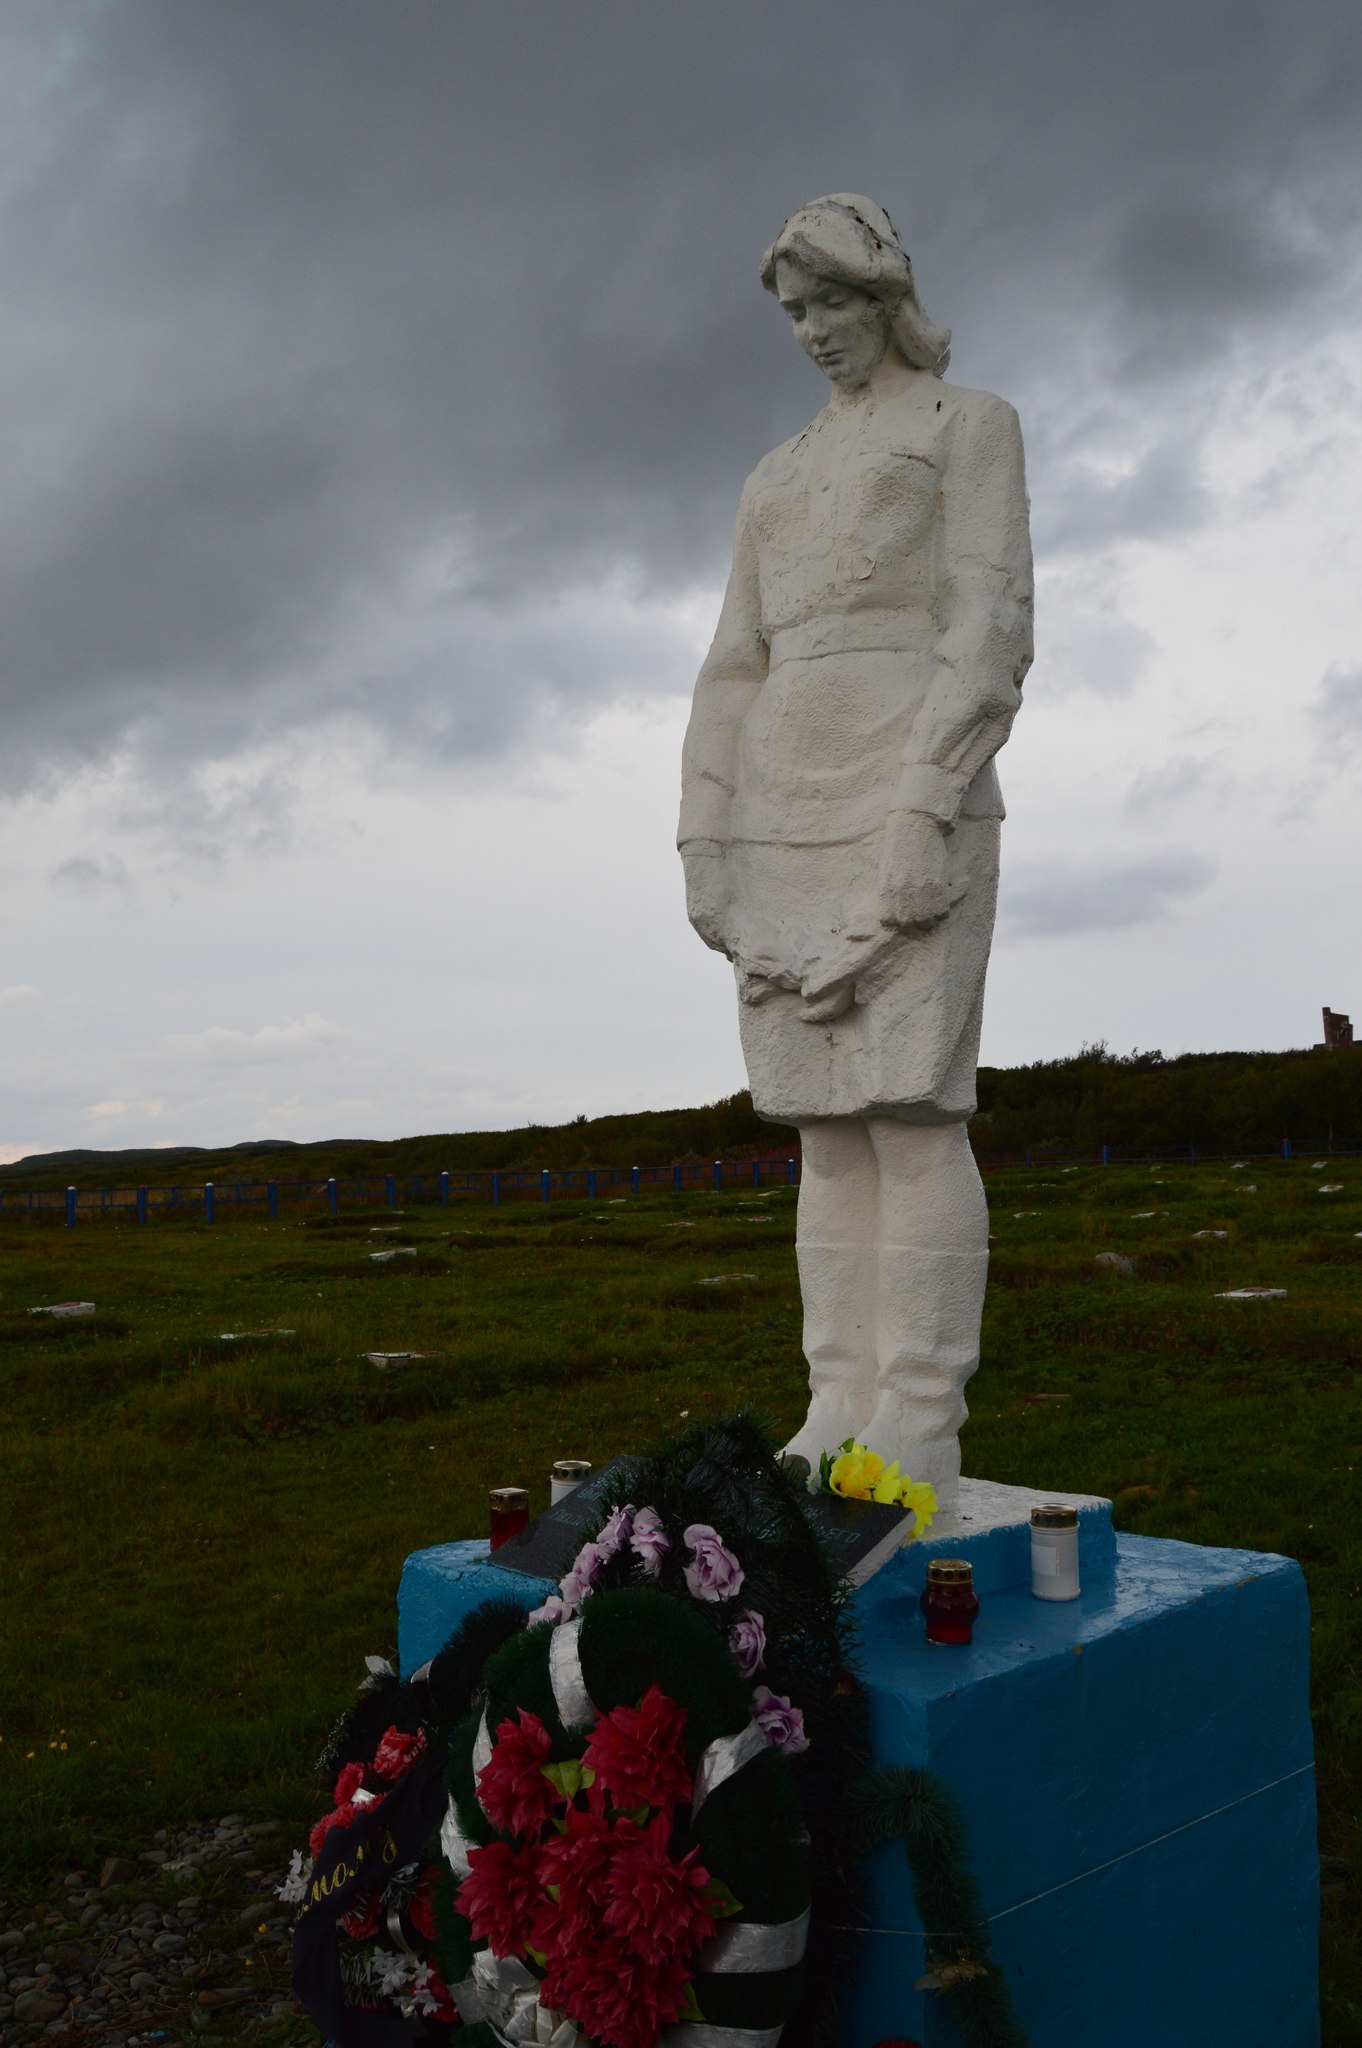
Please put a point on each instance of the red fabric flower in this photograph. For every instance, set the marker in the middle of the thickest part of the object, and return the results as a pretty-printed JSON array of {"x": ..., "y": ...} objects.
[
  {"x": 655, "y": 1906},
  {"x": 396, "y": 1753},
  {"x": 578, "y": 1864},
  {"x": 618, "y": 2000},
  {"x": 502, "y": 1896},
  {"x": 350, "y": 1781},
  {"x": 441, "y": 2005},
  {"x": 637, "y": 1753},
  {"x": 363, "y": 1921},
  {"x": 515, "y": 1794},
  {"x": 340, "y": 1818},
  {"x": 421, "y": 1909}
]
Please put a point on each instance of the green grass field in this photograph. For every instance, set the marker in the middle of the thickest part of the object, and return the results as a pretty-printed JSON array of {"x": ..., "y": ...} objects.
[{"x": 203, "y": 1538}]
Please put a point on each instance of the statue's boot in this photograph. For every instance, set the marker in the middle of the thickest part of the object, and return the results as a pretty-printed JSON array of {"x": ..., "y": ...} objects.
[
  {"x": 929, "y": 1305},
  {"x": 837, "y": 1281}
]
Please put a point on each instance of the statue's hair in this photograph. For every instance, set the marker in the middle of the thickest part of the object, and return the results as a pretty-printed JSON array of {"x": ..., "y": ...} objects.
[{"x": 853, "y": 240}]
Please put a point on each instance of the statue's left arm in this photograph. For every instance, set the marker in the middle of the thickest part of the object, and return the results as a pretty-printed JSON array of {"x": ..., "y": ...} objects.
[
  {"x": 984, "y": 594},
  {"x": 734, "y": 671}
]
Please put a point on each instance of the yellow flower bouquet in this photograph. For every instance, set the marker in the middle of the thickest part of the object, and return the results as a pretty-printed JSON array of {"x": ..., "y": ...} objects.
[{"x": 859, "y": 1473}]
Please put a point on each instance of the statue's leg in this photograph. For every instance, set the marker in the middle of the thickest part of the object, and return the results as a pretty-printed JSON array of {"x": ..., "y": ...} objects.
[
  {"x": 933, "y": 1264},
  {"x": 836, "y": 1247}
]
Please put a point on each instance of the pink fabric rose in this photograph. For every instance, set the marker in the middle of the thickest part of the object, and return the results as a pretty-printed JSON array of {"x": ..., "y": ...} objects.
[
  {"x": 779, "y": 1722},
  {"x": 616, "y": 1532},
  {"x": 713, "y": 1572},
  {"x": 552, "y": 1610},
  {"x": 647, "y": 1541},
  {"x": 580, "y": 1581},
  {"x": 747, "y": 1641}
]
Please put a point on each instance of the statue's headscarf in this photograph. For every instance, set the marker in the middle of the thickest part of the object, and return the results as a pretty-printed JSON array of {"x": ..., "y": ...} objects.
[{"x": 854, "y": 241}]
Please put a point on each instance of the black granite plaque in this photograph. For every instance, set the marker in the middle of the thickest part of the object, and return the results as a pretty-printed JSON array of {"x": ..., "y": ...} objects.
[
  {"x": 859, "y": 1535},
  {"x": 545, "y": 1548}
]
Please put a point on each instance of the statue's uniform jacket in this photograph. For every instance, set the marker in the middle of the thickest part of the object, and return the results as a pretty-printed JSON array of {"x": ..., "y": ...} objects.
[{"x": 870, "y": 653}]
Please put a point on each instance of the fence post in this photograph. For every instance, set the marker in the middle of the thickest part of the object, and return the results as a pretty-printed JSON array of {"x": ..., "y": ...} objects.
[
  {"x": 70, "y": 1208},
  {"x": 676, "y": 1180},
  {"x": 718, "y": 1175},
  {"x": 1286, "y": 1148},
  {"x": 496, "y": 1187},
  {"x": 756, "y": 1173},
  {"x": 272, "y": 1198},
  {"x": 1106, "y": 1155},
  {"x": 332, "y": 1195},
  {"x": 591, "y": 1184},
  {"x": 444, "y": 1189},
  {"x": 390, "y": 1187},
  {"x": 141, "y": 1205},
  {"x": 789, "y": 1171},
  {"x": 633, "y": 1179},
  {"x": 544, "y": 1184},
  {"x": 208, "y": 1201}
]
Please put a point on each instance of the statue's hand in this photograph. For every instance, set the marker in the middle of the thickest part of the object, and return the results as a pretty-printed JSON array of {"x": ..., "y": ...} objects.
[
  {"x": 707, "y": 891},
  {"x": 915, "y": 891}
]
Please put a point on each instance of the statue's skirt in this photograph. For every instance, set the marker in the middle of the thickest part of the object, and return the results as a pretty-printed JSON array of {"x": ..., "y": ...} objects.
[{"x": 908, "y": 1046}]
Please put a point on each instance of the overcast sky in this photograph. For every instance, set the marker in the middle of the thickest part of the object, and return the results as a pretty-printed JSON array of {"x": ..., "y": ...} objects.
[{"x": 378, "y": 385}]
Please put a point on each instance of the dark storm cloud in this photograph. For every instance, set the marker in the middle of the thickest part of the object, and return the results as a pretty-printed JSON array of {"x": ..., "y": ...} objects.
[
  {"x": 1080, "y": 511},
  {"x": 1062, "y": 901},
  {"x": 1192, "y": 272},
  {"x": 1337, "y": 711},
  {"x": 340, "y": 339},
  {"x": 85, "y": 876}
]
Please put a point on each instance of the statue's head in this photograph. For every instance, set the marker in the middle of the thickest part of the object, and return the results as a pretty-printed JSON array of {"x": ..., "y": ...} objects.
[{"x": 842, "y": 275}]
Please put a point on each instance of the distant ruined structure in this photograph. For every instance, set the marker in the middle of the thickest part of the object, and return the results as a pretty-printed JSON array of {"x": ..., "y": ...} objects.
[{"x": 1338, "y": 1030}]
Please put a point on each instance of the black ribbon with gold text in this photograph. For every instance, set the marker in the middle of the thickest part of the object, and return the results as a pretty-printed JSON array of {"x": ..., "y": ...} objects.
[{"x": 353, "y": 1861}]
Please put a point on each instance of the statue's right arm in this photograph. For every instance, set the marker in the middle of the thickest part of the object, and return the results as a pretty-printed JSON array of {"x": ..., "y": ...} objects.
[{"x": 733, "y": 672}]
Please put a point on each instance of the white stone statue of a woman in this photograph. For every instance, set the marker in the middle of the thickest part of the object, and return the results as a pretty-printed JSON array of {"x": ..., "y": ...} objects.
[{"x": 840, "y": 818}]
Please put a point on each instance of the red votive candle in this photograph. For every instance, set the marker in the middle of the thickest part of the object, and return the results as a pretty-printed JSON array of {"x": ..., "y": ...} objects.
[
  {"x": 950, "y": 1602},
  {"x": 509, "y": 1512}
]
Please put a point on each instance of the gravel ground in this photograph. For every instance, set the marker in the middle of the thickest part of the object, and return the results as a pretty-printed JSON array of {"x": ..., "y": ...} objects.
[{"x": 181, "y": 1943}]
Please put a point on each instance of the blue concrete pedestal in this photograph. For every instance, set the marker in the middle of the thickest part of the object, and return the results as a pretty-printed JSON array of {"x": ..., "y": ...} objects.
[{"x": 1135, "y": 1767}]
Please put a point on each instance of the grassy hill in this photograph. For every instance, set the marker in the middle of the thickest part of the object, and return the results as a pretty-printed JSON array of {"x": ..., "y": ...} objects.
[
  {"x": 1140, "y": 1101},
  {"x": 1133, "y": 1103},
  {"x": 643, "y": 1138}
]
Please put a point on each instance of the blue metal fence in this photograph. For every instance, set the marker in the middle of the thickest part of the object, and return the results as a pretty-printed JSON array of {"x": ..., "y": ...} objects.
[{"x": 212, "y": 1200}]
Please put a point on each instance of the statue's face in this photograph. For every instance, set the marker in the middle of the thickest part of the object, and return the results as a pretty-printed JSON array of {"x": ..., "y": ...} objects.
[{"x": 845, "y": 330}]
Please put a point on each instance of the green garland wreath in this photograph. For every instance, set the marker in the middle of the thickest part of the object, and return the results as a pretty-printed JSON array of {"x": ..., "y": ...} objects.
[
  {"x": 823, "y": 1811},
  {"x": 749, "y": 1831}
]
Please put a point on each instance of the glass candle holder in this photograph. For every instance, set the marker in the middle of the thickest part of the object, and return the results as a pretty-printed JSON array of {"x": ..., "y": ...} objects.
[
  {"x": 950, "y": 1602},
  {"x": 567, "y": 1474},
  {"x": 510, "y": 1511},
  {"x": 1054, "y": 1551}
]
